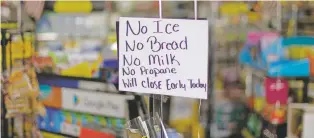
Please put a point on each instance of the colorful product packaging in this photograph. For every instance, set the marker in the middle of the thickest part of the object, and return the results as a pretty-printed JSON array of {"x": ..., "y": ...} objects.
[
  {"x": 50, "y": 135},
  {"x": 276, "y": 90}
]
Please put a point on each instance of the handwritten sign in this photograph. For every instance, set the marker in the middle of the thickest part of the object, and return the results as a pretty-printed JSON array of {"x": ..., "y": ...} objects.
[{"x": 163, "y": 56}]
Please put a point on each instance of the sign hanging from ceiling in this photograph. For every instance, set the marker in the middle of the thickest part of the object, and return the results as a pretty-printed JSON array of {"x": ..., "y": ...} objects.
[{"x": 163, "y": 56}]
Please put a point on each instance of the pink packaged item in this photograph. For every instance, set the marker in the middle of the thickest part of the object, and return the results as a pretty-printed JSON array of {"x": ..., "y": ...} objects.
[
  {"x": 253, "y": 38},
  {"x": 276, "y": 90},
  {"x": 268, "y": 38}
]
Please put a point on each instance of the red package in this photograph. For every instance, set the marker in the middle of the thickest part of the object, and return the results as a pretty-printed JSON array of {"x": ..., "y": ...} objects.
[
  {"x": 89, "y": 133},
  {"x": 276, "y": 90}
]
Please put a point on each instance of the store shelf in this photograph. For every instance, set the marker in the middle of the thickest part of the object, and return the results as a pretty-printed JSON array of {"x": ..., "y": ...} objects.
[
  {"x": 60, "y": 134},
  {"x": 54, "y": 76},
  {"x": 8, "y": 25},
  {"x": 76, "y": 82},
  {"x": 306, "y": 20},
  {"x": 231, "y": 60},
  {"x": 261, "y": 73}
]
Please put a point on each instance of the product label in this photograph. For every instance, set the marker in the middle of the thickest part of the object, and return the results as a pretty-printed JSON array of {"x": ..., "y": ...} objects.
[{"x": 94, "y": 102}]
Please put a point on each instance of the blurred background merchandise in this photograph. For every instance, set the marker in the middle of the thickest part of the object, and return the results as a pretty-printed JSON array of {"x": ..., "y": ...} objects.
[{"x": 62, "y": 53}]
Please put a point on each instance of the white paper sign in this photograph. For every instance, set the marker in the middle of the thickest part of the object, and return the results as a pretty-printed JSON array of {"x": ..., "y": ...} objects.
[
  {"x": 163, "y": 56},
  {"x": 99, "y": 103}
]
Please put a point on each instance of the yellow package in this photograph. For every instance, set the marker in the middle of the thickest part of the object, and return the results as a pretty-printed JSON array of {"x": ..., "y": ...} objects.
[
  {"x": 259, "y": 104},
  {"x": 299, "y": 52}
]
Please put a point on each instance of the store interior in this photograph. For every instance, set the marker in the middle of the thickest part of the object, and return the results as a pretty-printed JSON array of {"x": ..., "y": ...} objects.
[{"x": 60, "y": 71}]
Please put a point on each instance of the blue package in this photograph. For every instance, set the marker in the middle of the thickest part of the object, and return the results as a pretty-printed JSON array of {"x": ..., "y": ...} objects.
[
  {"x": 273, "y": 60},
  {"x": 46, "y": 120},
  {"x": 62, "y": 116},
  {"x": 55, "y": 122},
  {"x": 119, "y": 124},
  {"x": 84, "y": 120},
  {"x": 41, "y": 122},
  {"x": 109, "y": 122},
  {"x": 74, "y": 118}
]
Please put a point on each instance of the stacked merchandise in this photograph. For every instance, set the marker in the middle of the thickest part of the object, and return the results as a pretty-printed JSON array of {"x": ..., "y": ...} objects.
[
  {"x": 305, "y": 19},
  {"x": 280, "y": 69},
  {"x": 19, "y": 85},
  {"x": 263, "y": 112},
  {"x": 300, "y": 115},
  {"x": 77, "y": 71},
  {"x": 300, "y": 16},
  {"x": 235, "y": 19},
  {"x": 77, "y": 65},
  {"x": 278, "y": 72},
  {"x": 72, "y": 44}
]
